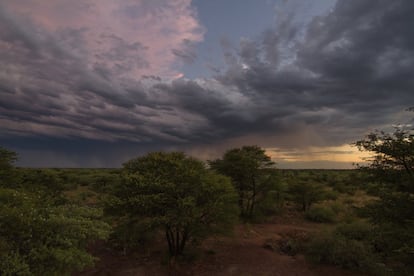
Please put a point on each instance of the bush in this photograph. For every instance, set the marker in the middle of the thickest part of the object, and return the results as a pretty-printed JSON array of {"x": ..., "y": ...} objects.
[
  {"x": 291, "y": 243},
  {"x": 329, "y": 248},
  {"x": 321, "y": 214},
  {"x": 358, "y": 230},
  {"x": 12, "y": 263},
  {"x": 289, "y": 246},
  {"x": 39, "y": 238}
]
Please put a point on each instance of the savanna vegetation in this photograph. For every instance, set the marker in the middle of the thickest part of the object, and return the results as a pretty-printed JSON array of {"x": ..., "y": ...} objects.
[{"x": 176, "y": 210}]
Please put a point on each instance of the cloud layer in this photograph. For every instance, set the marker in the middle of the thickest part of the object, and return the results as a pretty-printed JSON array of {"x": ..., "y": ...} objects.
[{"x": 104, "y": 74}]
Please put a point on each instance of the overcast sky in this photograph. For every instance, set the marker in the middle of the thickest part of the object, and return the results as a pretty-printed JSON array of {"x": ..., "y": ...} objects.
[{"x": 94, "y": 83}]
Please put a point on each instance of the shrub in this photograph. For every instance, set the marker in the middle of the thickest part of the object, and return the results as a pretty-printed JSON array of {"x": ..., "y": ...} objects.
[
  {"x": 345, "y": 188},
  {"x": 337, "y": 207},
  {"x": 39, "y": 238},
  {"x": 306, "y": 193},
  {"x": 358, "y": 230},
  {"x": 291, "y": 243},
  {"x": 329, "y": 248},
  {"x": 320, "y": 214},
  {"x": 289, "y": 246}
]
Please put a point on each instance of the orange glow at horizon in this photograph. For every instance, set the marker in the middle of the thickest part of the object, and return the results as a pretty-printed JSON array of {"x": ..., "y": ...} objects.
[{"x": 344, "y": 153}]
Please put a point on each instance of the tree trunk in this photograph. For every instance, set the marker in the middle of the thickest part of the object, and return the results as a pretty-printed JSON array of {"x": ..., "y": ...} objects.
[
  {"x": 252, "y": 199},
  {"x": 183, "y": 241},
  {"x": 170, "y": 241}
]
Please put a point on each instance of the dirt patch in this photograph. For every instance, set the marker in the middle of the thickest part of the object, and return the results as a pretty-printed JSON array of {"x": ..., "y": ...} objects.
[{"x": 242, "y": 254}]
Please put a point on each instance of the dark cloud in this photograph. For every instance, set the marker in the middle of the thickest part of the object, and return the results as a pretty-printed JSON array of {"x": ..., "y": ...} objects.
[
  {"x": 352, "y": 70},
  {"x": 325, "y": 83}
]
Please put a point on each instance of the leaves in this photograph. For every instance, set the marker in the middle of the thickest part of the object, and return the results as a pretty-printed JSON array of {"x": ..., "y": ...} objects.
[
  {"x": 42, "y": 238},
  {"x": 176, "y": 193},
  {"x": 246, "y": 166},
  {"x": 392, "y": 171}
]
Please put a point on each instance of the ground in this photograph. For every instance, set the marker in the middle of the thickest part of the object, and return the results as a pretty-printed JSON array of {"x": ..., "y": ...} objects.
[{"x": 243, "y": 253}]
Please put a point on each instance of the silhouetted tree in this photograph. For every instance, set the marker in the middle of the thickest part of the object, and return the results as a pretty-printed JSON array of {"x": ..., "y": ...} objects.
[
  {"x": 245, "y": 166},
  {"x": 392, "y": 170}
]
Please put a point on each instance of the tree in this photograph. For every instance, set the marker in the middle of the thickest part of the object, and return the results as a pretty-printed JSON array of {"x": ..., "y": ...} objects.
[
  {"x": 393, "y": 158},
  {"x": 43, "y": 181},
  {"x": 245, "y": 166},
  {"x": 306, "y": 192},
  {"x": 391, "y": 169},
  {"x": 7, "y": 159},
  {"x": 177, "y": 194}
]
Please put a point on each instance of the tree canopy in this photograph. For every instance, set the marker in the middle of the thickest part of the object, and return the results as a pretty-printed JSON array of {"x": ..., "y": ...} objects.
[
  {"x": 177, "y": 194},
  {"x": 393, "y": 158},
  {"x": 391, "y": 169},
  {"x": 7, "y": 158},
  {"x": 245, "y": 166}
]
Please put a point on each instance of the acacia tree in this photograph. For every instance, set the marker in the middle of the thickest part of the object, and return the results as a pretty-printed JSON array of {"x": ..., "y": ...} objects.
[
  {"x": 306, "y": 192},
  {"x": 391, "y": 169},
  {"x": 393, "y": 158},
  {"x": 245, "y": 166},
  {"x": 177, "y": 194}
]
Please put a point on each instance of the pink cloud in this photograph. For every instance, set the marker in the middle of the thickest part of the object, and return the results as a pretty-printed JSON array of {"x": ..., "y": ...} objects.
[{"x": 130, "y": 38}]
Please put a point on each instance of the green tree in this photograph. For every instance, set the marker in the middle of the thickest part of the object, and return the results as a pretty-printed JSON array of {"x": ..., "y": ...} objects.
[
  {"x": 391, "y": 169},
  {"x": 392, "y": 163},
  {"x": 272, "y": 194},
  {"x": 7, "y": 159},
  {"x": 177, "y": 194},
  {"x": 245, "y": 166},
  {"x": 306, "y": 192}
]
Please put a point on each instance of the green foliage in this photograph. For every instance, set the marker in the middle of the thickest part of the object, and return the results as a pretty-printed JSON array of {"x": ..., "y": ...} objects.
[
  {"x": 321, "y": 214},
  {"x": 393, "y": 207},
  {"x": 305, "y": 193},
  {"x": 292, "y": 242},
  {"x": 271, "y": 199},
  {"x": 248, "y": 168},
  {"x": 129, "y": 234},
  {"x": 39, "y": 235},
  {"x": 104, "y": 182},
  {"x": 177, "y": 194},
  {"x": 392, "y": 164},
  {"x": 357, "y": 230},
  {"x": 391, "y": 173},
  {"x": 336, "y": 249},
  {"x": 45, "y": 181},
  {"x": 45, "y": 239},
  {"x": 7, "y": 159},
  {"x": 11, "y": 263}
]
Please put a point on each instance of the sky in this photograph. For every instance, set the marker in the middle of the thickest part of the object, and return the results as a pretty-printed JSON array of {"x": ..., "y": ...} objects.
[{"x": 95, "y": 83}]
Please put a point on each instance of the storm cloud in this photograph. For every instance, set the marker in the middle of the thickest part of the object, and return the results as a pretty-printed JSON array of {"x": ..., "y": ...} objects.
[{"x": 106, "y": 83}]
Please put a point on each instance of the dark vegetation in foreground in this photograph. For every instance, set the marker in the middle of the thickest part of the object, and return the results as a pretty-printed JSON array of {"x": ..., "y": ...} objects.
[{"x": 364, "y": 218}]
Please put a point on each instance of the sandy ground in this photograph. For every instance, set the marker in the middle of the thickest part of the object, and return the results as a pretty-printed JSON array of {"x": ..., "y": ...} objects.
[{"x": 241, "y": 254}]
